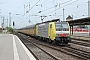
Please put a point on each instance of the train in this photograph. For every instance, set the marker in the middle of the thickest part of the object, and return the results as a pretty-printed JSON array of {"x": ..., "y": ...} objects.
[{"x": 53, "y": 32}]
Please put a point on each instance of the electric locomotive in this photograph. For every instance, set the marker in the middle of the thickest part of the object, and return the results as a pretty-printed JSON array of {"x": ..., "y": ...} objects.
[{"x": 53, "y": 32}]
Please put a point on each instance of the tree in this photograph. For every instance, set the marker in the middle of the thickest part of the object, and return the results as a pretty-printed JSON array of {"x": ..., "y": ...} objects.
[{"x": 10, "y": 30}]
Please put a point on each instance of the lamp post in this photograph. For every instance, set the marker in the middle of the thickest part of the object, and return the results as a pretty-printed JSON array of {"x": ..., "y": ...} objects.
[
  {"x": 89, "y": 8},
  {"x": 63, "y": 14},
  {"x": 10, "y": 19},
  {"x": 89, "y": 15}
]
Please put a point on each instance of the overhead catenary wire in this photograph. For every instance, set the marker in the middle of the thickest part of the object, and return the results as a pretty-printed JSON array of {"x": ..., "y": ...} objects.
[
  {"x": 62, "y": 7},
  {"x": 78, "y": 11},
  {"x": 54, "y": 7},
  {"x": 77, "y": 6},
  {"x": 65, "y": 6},
  {"x": 74, "y": 13},
  {"x": 33, "y": 6}
]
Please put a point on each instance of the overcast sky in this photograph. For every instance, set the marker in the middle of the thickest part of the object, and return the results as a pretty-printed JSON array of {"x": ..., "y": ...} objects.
[{"x": 53, "y": 9}]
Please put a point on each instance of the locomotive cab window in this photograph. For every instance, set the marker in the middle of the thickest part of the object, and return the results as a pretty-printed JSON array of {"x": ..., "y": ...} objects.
[
  {"x": 61, "y": 25},
  {"x": 50, "y": 25}
]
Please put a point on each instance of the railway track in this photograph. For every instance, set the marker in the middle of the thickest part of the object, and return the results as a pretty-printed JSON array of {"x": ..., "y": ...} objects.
[
  {"x": 88, "y": 41},
  {"x": 38, "y": 52},
  {"x": 70, "y": 51},
  {"x": 81, "y": 43},
  {"x": 79, "y": 53},
  {"x": 67, "y": 50},
  {"x": 76, "y": 52}
]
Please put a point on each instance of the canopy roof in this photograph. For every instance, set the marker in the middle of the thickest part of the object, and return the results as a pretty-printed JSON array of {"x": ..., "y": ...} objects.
[{"x": 82, "y": 21}]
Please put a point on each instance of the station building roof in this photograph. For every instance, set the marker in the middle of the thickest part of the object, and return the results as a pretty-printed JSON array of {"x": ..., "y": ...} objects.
[{"x": 82, "y": 21}]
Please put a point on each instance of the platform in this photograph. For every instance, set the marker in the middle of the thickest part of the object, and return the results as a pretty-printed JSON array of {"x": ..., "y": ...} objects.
[
  {"x": 81, "y": 35},
  {"x": 11, "y": 48}
]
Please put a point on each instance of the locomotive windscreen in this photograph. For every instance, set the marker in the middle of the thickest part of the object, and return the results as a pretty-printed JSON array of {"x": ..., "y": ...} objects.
[{"x": 61, "y": 26}]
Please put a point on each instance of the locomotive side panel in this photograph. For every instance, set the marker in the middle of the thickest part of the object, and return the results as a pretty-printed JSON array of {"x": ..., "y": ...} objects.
[{"x": 43, "y": 30}]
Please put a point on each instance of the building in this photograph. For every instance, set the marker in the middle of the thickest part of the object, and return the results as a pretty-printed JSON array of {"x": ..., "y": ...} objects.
[{"x": 69, "y": 18}]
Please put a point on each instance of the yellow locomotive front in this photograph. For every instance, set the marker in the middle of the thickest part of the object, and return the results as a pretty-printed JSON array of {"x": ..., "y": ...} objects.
[{"x": 62, "y": 33}]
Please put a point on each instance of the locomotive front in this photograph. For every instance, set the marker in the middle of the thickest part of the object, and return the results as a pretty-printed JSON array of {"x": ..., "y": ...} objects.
[{"x": 62, "y": 32}]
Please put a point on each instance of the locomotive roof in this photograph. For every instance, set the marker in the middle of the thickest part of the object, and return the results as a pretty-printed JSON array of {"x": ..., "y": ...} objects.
[
  {"x": 54, "y": 20},
  {"x": 63, "y": 22}
]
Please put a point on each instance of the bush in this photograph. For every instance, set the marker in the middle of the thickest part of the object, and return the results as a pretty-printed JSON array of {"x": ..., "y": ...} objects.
[
  {"x": 10, "y": 30},
  {"x": 0, "y": 31}
]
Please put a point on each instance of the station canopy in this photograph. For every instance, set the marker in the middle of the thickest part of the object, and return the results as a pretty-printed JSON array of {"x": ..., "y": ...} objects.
[{"x": 82, "y": 21}]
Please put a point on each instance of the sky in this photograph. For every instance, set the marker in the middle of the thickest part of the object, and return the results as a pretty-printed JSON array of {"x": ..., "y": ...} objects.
[{"x": 52, "y": 9}]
